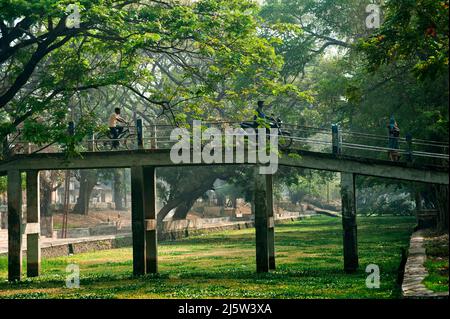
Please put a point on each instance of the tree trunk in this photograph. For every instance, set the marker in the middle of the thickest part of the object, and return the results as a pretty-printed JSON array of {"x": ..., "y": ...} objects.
[
  {"x": 47, "y": 187},
  {"x": 418, "y": 200},
  {"x": 234, "y": 202},
  {"x": 45, "y": 206},
  {"x": 4, "y": 151},
  {"x": 46, "y": 197},
  {"x": 88, "y": 179},
  {"x": 186, "y": 186},
  {"x": 183, "y": 203},
  {"x": 118, "y": 189},
  {"x": 442, "y": 193},
  {"x": 220, "y": 199},
  {"x": 171, "y": 204},
  {"x": 183, "y": 209}
]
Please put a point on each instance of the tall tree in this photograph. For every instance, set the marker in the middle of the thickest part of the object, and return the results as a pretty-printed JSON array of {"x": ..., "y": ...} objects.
[
  {"x": 87, "y": 179},
  {"x": 119, "y": 187}
]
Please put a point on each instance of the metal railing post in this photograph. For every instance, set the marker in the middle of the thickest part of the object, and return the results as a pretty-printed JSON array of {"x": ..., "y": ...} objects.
[
  {"x": 91, "y": 143},
  {"x": 336, "y": 139},
  {"x": 155, "y": 138},
  {"x": 139, "y": 131},
  {"x": 409, "y": 154}
]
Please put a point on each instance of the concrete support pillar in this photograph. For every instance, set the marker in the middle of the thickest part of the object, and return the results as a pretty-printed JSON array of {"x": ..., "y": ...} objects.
[
  {"x": 143, "y": 215},
  {"x": 137, "y": 220},
  {"x": 151, "y": 239},
  {"x": 33, "y": 225},
  {"x": 14, "y": 225},
  {"x": 349, "y": 222},
  {"x": 271, "y": 222},
  {"x": 261, "y": 223}
]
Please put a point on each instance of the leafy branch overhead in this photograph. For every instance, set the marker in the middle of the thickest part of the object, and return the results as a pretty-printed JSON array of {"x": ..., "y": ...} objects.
[{"x": 414, "y": 33}]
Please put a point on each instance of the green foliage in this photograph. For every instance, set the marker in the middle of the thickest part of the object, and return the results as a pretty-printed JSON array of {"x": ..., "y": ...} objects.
[
  {"x": 3, "y": 184},
  {"x": 437, "y": 262},
  {"x": 437, "y": 279},
  {"x": 310, "y": 183},
  {"x": 415, "y": 32},
  {"x": 384, "y": 200}
]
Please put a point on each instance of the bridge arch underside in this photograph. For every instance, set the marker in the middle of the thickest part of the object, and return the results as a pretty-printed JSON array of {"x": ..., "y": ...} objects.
[{"x": 143, "y": 164}]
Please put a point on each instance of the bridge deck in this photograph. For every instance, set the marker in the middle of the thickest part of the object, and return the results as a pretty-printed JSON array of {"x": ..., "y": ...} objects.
[{"x": 161, "y": 158}]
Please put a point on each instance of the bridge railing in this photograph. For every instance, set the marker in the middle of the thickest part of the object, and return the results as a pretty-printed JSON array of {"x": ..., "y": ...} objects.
[
  {"x": 409, "y": 149},
  {"x": 324, "y": 140}
]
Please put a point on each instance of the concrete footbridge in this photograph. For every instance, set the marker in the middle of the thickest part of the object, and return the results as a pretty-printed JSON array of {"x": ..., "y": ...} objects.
[{"x": 144, "y": 148}]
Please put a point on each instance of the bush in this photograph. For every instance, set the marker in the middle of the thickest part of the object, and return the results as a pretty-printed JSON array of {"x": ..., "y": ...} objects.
[{"x": 384, "y": 200}]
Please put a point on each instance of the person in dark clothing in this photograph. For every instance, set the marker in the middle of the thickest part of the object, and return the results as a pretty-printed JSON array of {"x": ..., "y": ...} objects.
[
  {"x": 260, "y": 116},
  {"x": 259, "y": 120},
  {"x": 259, "y": 110},
  {"x": 394, "y": 135}
]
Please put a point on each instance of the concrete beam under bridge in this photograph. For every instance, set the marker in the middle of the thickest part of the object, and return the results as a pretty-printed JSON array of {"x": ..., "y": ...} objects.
[{"x": 304, "y": 159}]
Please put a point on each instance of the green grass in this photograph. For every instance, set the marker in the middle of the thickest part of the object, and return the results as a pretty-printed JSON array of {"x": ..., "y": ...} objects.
[
  {"x": 437, "y": 279},
  {"x": 222, "y": 265},
  {"x": 437, "y": 264}
]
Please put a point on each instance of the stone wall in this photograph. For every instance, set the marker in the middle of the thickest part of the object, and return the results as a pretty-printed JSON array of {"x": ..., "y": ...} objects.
[
  {"x": 184, "y": 228},
  {"x": 82, "y": 245},
  {"x": 85, "y": 246},
  {"x": 99, "y": 230},
  {"x": 415, "y": 271},
  {"x": 176, "y": 226}
]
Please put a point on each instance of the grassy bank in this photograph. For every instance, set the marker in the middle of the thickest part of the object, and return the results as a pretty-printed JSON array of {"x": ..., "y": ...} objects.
[
  {"x": 222, "y": 265},
  {"x": 437, "y": 262}
]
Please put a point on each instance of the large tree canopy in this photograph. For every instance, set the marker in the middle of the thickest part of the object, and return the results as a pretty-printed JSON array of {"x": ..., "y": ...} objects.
[
  {"x": 315, "y": 62},
  {"x": 187, "y": 58},
  {"x": 414, "y": 33}
]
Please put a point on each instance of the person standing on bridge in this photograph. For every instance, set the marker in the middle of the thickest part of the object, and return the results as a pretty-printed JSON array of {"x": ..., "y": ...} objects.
[
  {"x": 394, "y": 135},
  {"x": 115, "y": 129}
]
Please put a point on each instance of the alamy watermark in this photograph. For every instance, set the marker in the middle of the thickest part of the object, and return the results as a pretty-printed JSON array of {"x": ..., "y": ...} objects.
[
  {"x": 373, "y": 19},
  {"x": 73, "y": 277},
  {"x": 228, "y": 147},
  {"x": 373, "y": 279},
  {"x": 74, "y": 17}
]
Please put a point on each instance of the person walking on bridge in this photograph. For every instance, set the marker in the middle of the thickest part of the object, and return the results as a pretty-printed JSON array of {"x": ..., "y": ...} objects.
[
  {"x": 114, "y": 128},
  {"x": 394, "y": 135}
]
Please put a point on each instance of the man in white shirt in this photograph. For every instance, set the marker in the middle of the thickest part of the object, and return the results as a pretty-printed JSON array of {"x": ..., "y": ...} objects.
[{"x": 115, "y": 129}]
